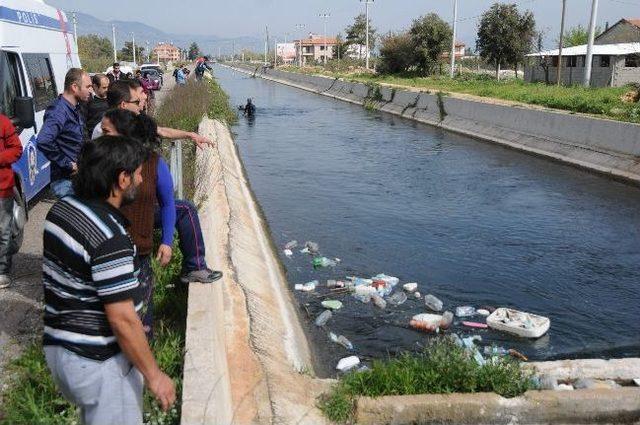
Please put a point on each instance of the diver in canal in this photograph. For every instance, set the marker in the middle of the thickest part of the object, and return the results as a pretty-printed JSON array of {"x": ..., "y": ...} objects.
[{"x": 249, "y": 109}]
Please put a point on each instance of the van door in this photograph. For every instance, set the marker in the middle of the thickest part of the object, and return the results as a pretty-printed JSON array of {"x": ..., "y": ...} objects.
[{"x": 17, "y": 80}]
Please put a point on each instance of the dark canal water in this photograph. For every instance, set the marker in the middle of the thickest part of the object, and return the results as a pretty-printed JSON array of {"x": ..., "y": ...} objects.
[{"x": 471, "y": 222}]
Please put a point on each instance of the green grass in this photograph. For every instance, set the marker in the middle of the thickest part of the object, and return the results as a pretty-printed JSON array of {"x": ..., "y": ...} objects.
[
  {"x": 601, "y": 101},
  {"x": 442, "y": 368}
]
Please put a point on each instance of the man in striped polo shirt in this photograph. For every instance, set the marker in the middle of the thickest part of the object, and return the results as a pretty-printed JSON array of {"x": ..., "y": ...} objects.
[{"x": 94, "y": 342}]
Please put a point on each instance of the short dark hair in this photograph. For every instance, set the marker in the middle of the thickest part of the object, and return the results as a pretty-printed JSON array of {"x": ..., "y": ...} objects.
[
  {"x": 96, "y": 79},
  {"x": 123, "y": 120},
  {"x": 133, "y": 84},
  {"x": 137, "y": 126},
  {"x": 74, "y": 76},
  {"x": 118, "y": 92},
  {"x": 100, "y": 163},
  {"x": 206, "y": 58},
  {"x": 116, "y": 64}
]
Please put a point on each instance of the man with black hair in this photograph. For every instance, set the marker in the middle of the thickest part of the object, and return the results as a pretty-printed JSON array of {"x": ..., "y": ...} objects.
[
  {"x": 97, "y": 105},
  {"x": 62, "y": 132},
  {"x": 201, "y": 67},
  {"x": 115, "y": 74},
  {"x": 94, "y": 340}
]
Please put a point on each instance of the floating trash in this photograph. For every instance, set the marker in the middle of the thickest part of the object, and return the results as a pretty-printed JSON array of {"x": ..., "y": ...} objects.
[
  {"x": 447, "y": 320},
  {"x": 410, "y": 287},
  {"x": 332, "y": 304},
  {"x": 483, "y": 312},
  {"x": 312, "y": 247},
  {"x": 348, "y": 363},
  {"x": 341, "y": 340},
  {"x": 323, "y": 262},
  {"x": 288, "y": 252},
  {"x": 418, "y": 295},
  {"x": 307, "y": 287},
  {"x": 398, "y": 298},
  {"x": 519, "y": 323},
  {"x": 291, "y": 245},
  {"x": 475, "y": 325},
  {"x": 323, "y": 318},
  {"x": 465, "y": 311},
  {"x": 433, "y": 303}
]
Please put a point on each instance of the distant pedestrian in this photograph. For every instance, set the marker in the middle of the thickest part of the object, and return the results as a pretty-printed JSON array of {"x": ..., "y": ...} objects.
[
  {"x": 181, "y": 77},
  {"x": 10, "y": 152},
  {"x": 201, "y": 67},
  {"x": 97, "y": 105},
  {"x": 93, "y": 340},
  {"x": 115, "y": 74},
  {"x": 62, "y": 134}
]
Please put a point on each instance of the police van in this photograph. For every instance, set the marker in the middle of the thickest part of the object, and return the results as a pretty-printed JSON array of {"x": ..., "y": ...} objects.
[{"x": 36, "y": 50}]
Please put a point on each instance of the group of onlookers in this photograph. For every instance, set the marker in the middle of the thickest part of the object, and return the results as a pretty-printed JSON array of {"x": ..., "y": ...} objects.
[{"x": 114, "y": 190}]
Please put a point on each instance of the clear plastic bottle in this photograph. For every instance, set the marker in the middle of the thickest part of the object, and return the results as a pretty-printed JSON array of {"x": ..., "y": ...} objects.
[
  {"x": 447, "y": 320},
  {"x": 378, "y": 301},
  {"x": 465, "y": 311},
  {"x": 398, "y": 298},
  {"x": 433, "y": 303},
  {"x": 492, "y": 350},
  {"x": 323, "y": 318},
  {"x": 342, "y": 340}
]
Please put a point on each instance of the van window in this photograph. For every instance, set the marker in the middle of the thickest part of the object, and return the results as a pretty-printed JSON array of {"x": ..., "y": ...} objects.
[
  {"x": 42, "y": 80},
  {"x": 9, "y": 82}
]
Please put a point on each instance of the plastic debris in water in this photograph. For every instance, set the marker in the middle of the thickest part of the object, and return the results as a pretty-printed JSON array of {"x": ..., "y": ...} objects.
[
  {"x": 323, "y": 318},
  {"x": 341, "y": 340},
  {"x": 398, "y": 298},
  {"x": 332, "y": 304},
  {"x": 426, "y": 322},
  {"x": 391, "y": 280},
  {"x": 433, "y": 303},
  {"x": 465, "y": 311},
  {"x": 307, "y": 287},
  {"x": 288, "y": 252},
  {"x": 378, "y": 301},
  {"x": 410, "y": 287},
  {"x": 447, "y": 320},
  {"x": 483, "y": 312},
  {"x": 291, "y": 245},
  {"x": 417, "y": 295},
  {"x": 348, "y": 363},
  {"x": 305, "y": 251},
  {"x": 312, "y": 247},
  {"x": 475, "y": 325},
  {"x": 323, "y": 262}
]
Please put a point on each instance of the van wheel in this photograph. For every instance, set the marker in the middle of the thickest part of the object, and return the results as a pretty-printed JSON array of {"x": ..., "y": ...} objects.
[{"x": 18, "y": 222}]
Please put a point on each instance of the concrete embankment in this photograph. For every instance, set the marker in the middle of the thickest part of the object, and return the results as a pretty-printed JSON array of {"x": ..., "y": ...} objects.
[
  {"x": 601, "y": 145},
  {"x": 247, "y": 360}
]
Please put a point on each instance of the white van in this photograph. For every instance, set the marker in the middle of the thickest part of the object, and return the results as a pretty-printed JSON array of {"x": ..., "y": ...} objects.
[{"x": 36, "y": 50}]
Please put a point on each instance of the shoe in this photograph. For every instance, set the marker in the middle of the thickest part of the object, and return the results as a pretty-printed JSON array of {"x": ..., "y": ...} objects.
[
  {"x": 202, "y": 276},
  {"x": 5, "y": 281}
]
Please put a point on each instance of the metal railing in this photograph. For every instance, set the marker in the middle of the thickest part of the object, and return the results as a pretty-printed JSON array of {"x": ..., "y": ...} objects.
[{"x": 175, "y": 166}]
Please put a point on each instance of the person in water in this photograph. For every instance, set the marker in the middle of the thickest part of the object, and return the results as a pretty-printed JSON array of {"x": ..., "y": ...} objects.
[{"x": 249, "y": 109}]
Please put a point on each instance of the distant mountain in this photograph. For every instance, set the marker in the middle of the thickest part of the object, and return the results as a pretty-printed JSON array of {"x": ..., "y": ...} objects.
[{"x": 88, "y": 24}]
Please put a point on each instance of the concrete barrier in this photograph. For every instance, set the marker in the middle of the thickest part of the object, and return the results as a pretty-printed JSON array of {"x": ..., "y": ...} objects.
[
  {"x": 602, "y": 145},
  {"x": 534, "y": 407},
  {"x": 247, "y": 360}
]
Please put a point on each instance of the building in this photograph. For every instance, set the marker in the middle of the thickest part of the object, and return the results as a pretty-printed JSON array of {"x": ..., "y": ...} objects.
[
  {"x": 165, "y": 52},
  {"x": 286, "y": 52},
  {"x": 616, "y": 59},
  {"x": 357, "y": 51},
  {"x": 313, "y": 48},
  {"x": 460, "y": 51}
]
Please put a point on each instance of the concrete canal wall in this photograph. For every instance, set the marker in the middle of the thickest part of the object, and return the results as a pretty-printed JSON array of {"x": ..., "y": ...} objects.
[
  {"x": 247, "y": 360},
  {"x": 602, "y": 145}
]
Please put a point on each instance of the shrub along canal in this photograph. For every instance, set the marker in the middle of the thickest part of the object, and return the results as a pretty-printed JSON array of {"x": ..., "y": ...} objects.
[{"x": 473, "y": 223}]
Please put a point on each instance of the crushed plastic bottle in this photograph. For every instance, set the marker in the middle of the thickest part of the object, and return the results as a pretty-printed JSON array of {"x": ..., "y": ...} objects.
[
  {"x": 433, "y": 303},
  {"x": 312, "y": 247},
  {"x": 447, "y": 320},
  {"x": 391, "y": 280},
  {"x": 288, "y": 252},
  {"x": 492, "y": 350},
  {"x": 323, "y": 318},
  {"x": 378, "y": 301},
  {"x": 341, "y": 340},
  {"x": 398, "y": 298},
  {"x": 465, "y": 311},
  {"x": 348, "y": 363},
  {"x": 307, "y": 287},
  {"x": 410, "y": 287},
  {"x": 363, "y": 298},
  {"x": 291, "y": 245},
  {"x": 332, "y": 304},
  {"x": 323, "y": 262}
]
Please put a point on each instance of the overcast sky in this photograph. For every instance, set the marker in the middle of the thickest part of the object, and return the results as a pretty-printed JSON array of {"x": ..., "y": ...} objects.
[{"x": 249, "y": 17}]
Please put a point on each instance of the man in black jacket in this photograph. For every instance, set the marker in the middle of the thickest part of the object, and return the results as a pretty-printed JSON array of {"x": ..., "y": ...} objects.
[{"x": 97, "y": 105}]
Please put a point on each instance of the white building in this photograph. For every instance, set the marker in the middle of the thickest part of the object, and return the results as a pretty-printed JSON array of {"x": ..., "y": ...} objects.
[{"x": 286, "y": 52}]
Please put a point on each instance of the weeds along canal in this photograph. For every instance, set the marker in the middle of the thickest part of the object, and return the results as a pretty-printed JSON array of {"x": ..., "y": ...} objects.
[{"x": 473, "y": 223}]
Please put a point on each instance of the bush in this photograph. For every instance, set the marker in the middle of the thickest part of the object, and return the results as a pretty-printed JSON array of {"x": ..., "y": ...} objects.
[
  {"x": 397, "y": 53},
  {"x": 442, "y": 368}
]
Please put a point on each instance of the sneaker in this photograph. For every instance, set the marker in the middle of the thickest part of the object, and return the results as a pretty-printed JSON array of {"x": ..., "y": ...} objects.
[
  {"x": 202, "y": 276},
  {"x": 5, "y": 281}
]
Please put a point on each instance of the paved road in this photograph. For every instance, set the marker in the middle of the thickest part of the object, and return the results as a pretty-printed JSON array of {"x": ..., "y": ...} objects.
[{"x": 21, "y": 304}]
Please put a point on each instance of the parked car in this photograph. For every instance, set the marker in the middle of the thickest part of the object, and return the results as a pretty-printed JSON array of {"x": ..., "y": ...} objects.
[
  {"x": 154, "y": 77},
  {"x": 157, "y": 67}
]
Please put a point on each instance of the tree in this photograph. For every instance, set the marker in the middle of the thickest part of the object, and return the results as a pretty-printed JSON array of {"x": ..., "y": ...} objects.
[
  {"x": 397, "y": 53},
  {"x": 340, "y": 51},
  {"x": 126, "y": 53},
  {"x": 194, "y": 51},
  {"x": 431, "y": 36},
  {"x": 96, "y": 53},
  {"x": 577, "y": 35},
  {"x": 357, "y": 33},
  {"x": 505, "y": 36}
]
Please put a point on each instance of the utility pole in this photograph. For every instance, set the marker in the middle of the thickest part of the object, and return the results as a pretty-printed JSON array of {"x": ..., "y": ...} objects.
[
  {"x": 115, "y": 51},
  {"x": 366, "y": 2},
  {"x": 218, "y": 52},
  {"x": 75, "y": 27},
  {"x": 233, "y": 50},
  {"x": 148, "y": 51},
  {"x": 592, "y": 34},
  {"x": 560, "y": 42},
  {"x": 325, "y": 16},
  {"x": 266, "y": 44},
  {"x": 133, "y": 45},
  {"x": 301, "y": 27},
  {"x": 453, "y": 42},
  {"x": 275, "y": 52}
]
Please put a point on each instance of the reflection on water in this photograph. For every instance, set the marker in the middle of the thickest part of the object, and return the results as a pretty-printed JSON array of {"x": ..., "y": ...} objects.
[{"x": 472, "y": 222}]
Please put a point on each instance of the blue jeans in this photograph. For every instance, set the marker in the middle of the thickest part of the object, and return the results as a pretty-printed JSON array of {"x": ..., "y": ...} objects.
[
  {"x": 61, "y": 188},
  {"x": 6, "y": 218},
  {"x": 190, "y": 235}
]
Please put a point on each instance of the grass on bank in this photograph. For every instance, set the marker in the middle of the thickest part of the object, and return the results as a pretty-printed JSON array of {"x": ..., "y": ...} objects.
[
  {"x": 603, "y": 101},
  {"x": 32, "y": 397},
  {"x": 442, "y": 368}
]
